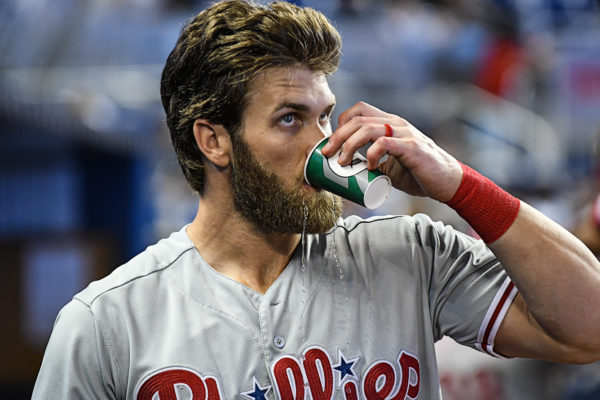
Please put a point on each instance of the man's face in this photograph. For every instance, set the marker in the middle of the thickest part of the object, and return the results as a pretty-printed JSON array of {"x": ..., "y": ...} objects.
[{"x": 288, "y": 112}]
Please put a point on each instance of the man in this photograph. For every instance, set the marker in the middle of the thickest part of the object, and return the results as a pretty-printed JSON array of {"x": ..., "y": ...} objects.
[{"x": 268, "y": 293}]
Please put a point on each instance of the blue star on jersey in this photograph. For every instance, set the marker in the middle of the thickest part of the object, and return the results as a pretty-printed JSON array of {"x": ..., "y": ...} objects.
[
  {"x": 345, "y": 367},
  {"x": 258, "y": 393}
]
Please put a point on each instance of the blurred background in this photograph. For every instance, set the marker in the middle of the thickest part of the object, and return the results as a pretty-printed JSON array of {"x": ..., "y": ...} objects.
[{"x": 88, "y": 178}]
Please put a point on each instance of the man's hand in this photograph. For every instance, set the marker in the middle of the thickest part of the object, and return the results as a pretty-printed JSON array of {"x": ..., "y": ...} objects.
[{"x": 415, "y": 164}]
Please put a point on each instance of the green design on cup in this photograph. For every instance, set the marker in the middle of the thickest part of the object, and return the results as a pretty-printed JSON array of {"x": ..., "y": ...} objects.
[{"x": 353, "y": 182}]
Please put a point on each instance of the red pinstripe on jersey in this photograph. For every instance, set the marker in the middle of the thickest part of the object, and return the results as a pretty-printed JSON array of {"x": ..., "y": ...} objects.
[{"x": 494, "y": 316}]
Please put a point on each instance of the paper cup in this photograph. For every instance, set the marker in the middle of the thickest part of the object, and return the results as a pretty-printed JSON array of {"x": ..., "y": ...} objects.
[{"x": 353, "y": 182}]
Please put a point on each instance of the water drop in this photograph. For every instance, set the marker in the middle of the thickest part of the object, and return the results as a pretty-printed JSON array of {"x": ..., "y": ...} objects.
[
  {"x": 303, "y": 239},
  {"x": 304, "y": 235}
]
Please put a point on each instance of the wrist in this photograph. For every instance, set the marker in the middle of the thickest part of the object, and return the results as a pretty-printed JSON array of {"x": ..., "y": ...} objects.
[{"x": 484, "y": 205}]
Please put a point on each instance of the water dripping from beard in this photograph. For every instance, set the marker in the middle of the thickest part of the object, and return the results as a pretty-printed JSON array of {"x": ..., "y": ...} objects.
[{"x": 305, "y": 209}]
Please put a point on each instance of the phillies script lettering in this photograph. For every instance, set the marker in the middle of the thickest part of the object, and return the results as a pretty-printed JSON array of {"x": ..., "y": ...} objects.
[{"x": 313, "y": 376}]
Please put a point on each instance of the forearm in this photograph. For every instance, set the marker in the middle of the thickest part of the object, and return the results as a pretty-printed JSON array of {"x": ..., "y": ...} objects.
[{"x": 558, "y": 277}]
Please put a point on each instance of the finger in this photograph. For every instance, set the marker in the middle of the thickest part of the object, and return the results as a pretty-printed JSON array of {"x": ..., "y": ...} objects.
[
  {"x": 386, "y": 145},
  {"x": 374, "y": 133},
  {"x": 376, "y": 152},
  {"x": 344, "y": 132},
  {"x": 401, "y": 177},
  {"x": 389, "y": 131},
  {"x": 360, "y": 109},
  {"x": 365, "y": 134}
]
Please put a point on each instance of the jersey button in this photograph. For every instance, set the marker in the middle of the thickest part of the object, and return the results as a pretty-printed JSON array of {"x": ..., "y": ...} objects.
[{"x": 279, "y": 342}]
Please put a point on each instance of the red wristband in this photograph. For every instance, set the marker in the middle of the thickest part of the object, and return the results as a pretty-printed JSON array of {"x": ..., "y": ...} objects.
[{"x": 485, "y": 206}]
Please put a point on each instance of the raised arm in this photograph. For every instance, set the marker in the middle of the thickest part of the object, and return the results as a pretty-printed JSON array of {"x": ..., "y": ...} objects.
[{"x": 556, "y": 315}]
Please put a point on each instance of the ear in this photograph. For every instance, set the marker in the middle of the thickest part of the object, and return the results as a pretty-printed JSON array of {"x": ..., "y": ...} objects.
[{"x": 213, "y": 141}]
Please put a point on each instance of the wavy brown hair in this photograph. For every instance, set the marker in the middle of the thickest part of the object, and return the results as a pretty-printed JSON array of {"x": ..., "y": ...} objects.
[{"x": 218, "y": 54}]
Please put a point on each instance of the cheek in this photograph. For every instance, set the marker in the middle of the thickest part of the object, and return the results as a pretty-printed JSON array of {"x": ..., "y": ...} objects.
[
  {"x": 279, "y": 163},
  {"x": 275, "y": 154},
  {"x": 285, "y": 153},
  {"x": 290, "y": 167},
  {"x": 284, "y": 156}
]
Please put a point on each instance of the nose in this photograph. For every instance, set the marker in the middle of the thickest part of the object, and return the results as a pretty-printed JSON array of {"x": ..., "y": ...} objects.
[{"x": 316, "y": 133}]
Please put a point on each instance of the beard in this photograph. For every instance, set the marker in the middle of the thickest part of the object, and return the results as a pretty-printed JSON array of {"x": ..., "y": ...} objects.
[{"x": 262, "y": 198}]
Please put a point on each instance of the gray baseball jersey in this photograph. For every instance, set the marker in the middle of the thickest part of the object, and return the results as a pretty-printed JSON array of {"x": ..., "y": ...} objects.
[{"x": 357, "y": 318}]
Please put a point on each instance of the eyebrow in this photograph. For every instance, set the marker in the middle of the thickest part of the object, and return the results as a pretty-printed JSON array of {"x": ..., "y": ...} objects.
[{"x": 299, "y": 106}]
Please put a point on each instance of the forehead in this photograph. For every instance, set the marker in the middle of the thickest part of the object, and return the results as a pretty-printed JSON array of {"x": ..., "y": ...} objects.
[{"x": 296, "y": 84}]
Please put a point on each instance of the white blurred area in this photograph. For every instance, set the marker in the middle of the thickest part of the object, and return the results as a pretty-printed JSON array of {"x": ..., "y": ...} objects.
[{"x": 510, "y": 87}]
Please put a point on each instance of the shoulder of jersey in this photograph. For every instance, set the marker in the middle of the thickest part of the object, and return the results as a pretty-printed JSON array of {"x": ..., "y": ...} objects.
[
  {"x": 152, "y": 260},
  {"x": 354, "y": 222},
  {"x": 385, "y": 231}
]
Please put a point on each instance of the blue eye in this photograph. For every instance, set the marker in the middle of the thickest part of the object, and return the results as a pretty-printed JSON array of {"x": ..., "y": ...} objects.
[
  {"x": 288, "y": 120},
  {"x": 324, "y": 117}
]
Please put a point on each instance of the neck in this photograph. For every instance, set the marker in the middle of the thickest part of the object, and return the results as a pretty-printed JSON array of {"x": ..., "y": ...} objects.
[{"x": 236, "y": 248}]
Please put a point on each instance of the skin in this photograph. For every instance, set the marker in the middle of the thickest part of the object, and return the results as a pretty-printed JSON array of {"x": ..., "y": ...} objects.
[
  {"x": 287, "y": 114},
  {"x": 556, "y": 315},
  {"x": 589, "y": 233}
]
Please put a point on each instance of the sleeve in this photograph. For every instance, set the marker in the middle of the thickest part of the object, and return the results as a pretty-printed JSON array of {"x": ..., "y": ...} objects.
[
  {"x": 72, "y": 366},
  {"x": 469, "y": 290}
]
